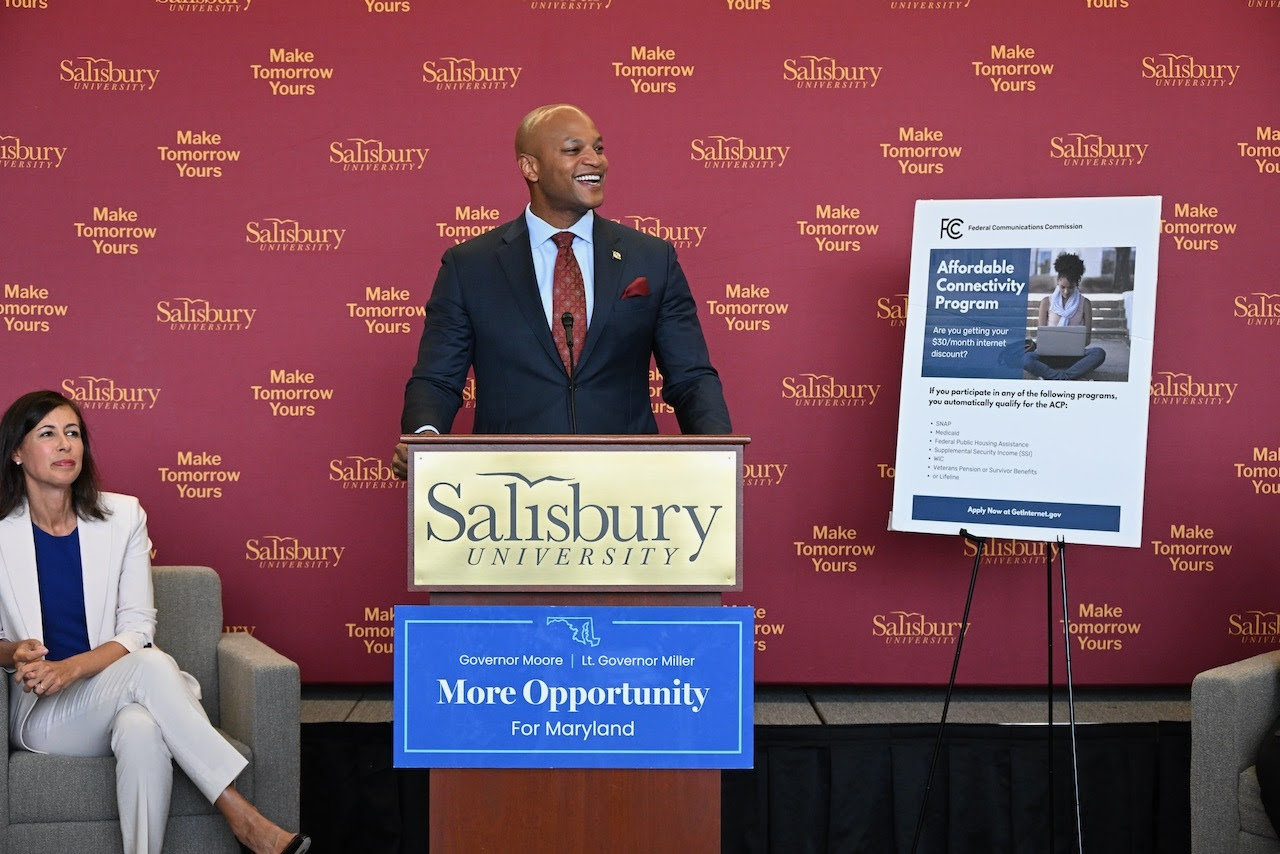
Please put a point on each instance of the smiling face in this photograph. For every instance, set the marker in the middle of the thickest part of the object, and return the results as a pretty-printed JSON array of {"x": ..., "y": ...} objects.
[
  {"x": 52, "y": 453},
  {"x": 561, "y": 156},
  {"x": 1066, "y": 287}
]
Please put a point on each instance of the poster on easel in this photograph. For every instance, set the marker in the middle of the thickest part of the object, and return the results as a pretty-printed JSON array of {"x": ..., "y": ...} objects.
[{"x": 1026, "y": 369}]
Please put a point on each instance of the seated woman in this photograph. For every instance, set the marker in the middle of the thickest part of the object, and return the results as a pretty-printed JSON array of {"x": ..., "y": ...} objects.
[
  {"x": 76, "y": 624},
  {"x": 1065, "y": 307}
]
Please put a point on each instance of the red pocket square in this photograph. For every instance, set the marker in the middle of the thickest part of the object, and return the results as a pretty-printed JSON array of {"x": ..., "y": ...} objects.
[{"x": 638, "y": 288}]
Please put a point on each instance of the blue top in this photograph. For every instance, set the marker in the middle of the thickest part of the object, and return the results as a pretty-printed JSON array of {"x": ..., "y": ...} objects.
[{"x": 66, "y": 631}]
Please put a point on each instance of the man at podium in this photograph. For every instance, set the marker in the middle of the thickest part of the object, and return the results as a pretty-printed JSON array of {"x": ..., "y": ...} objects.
[{"x": 559, "y": 311}]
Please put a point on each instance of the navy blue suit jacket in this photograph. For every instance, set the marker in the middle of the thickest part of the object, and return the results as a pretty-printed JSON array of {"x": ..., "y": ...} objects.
[{"x": 484, "y": 312}]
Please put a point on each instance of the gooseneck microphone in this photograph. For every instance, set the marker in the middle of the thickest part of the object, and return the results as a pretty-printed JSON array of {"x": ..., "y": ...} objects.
[{"x": 566, "y": 321}]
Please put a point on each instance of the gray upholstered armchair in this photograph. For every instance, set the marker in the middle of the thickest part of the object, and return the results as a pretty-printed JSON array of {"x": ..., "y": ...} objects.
[
  {"x": 1232, "y": 709},
  {"x": 251, "y": 693}
]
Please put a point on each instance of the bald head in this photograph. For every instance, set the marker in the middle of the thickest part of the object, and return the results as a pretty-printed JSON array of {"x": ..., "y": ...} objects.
[
  {"x": 530, "y": 126},
  {"x": 561, "y": 158}
]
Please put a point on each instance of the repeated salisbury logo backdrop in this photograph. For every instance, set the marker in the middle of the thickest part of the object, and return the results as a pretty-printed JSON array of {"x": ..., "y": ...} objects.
[{"x": 222, "y": 218}]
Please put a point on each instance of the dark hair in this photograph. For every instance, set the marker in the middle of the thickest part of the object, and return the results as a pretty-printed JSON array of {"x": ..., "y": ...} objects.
[
  {"x": 1069, "y": 266},
  {"x": 21, "y": 418}
]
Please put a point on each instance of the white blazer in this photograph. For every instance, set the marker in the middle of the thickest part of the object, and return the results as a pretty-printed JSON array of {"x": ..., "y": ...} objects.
[{"x": 115, "y": 554}]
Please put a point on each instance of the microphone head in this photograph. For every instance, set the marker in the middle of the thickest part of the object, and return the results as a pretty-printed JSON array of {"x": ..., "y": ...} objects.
[{"x": 566, "y": 320}]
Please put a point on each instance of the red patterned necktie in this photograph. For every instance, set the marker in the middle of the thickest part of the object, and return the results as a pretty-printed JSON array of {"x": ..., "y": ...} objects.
[{"x": 568, "y": 295}]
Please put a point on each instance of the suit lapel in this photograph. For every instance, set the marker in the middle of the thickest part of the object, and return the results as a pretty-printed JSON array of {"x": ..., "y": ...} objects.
[
  {"x": 605, "y": 240},
  {"x": 18, "y": 575},
  {"x": 95, "y": 557},
  {"x": 515, "y": 256}
]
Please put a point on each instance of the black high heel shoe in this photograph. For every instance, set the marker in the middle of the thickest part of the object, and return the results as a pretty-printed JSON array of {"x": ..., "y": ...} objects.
[{"x": 299, "y": 844}]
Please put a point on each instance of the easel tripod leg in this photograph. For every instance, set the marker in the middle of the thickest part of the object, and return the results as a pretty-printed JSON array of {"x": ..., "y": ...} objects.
[
  {"x": 1071, "y": 699},
  {"x": 951, "y": 686}
]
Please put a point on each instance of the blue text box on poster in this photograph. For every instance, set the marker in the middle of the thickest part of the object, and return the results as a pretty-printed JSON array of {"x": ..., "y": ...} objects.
[{"x": 570, "y": 687}]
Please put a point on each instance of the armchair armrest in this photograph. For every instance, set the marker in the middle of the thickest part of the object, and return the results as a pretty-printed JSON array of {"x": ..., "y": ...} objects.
[
  {"x": 1232, "y": 708},
  {"x": 260, "y": 693},
  {"x": 5, "y": 688}
]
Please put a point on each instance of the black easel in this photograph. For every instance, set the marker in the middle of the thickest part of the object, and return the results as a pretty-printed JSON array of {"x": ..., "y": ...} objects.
[
  {"x": 951, "y": 683},
  {"x": 1061, "y": 546},
  {"x": 1071, "y": 702}
]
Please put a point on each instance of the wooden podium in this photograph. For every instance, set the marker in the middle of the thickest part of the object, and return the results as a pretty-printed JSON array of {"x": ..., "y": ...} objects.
[{"x": 567, "y": 810}]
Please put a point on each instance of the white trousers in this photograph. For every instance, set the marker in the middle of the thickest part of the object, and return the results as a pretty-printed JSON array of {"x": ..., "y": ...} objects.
[{"x": 142, "y": 710}]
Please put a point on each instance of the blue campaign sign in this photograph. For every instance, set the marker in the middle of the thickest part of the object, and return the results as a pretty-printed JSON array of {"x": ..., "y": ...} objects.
[{"x": 570, "y": 687}]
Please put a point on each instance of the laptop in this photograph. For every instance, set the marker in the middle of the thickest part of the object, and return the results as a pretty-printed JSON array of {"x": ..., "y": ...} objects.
[{"x": 1060, "y": 340}]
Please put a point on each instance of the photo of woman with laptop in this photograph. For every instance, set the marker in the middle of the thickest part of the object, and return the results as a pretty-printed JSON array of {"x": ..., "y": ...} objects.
[{"x": 1062, "y": 348}]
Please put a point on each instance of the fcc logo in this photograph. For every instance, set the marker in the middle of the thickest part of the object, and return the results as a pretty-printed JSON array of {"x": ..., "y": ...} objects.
[{"x": 952, "y": 227}]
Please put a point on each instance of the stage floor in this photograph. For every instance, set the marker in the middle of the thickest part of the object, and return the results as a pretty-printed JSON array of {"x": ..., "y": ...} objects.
[{"x": 841, "y": 769}]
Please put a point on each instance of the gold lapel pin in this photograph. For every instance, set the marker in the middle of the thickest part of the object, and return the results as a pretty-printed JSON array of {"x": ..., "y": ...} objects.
[{"x": 617, "y": 256}]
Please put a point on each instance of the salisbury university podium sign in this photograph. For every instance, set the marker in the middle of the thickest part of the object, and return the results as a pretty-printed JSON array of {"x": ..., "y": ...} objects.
[{"x": 575, "y": 513}]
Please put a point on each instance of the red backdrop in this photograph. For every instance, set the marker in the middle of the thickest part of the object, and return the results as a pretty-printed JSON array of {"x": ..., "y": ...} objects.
[{"x": 221, "y": 219}]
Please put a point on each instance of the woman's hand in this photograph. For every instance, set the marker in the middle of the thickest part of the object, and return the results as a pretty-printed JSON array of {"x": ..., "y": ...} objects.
[
  {"x": 27, "y": 651},
  {"x": 44, "y": 677},
  {"x": 25, "y": 655}
]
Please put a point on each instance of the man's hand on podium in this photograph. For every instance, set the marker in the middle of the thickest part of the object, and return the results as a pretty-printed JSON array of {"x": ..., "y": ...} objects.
[
  {"x": 400, "y": 462},
  {"x": 400, "y": 459}
]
